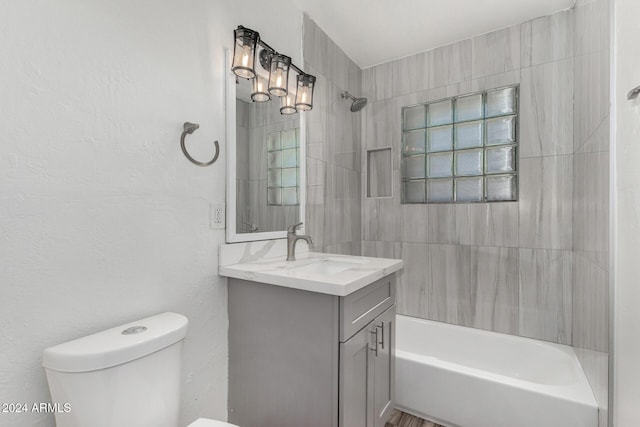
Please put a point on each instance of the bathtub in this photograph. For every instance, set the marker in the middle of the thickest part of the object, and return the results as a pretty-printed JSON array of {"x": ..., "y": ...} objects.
[{"x": 465, "y": 377}]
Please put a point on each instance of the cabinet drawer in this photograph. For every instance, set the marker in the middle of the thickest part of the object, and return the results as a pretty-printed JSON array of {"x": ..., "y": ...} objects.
[{"x": 362, "y": 306}]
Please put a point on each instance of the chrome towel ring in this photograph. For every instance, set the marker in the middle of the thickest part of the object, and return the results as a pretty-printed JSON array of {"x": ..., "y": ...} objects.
[{"x": 189, "y": 128}]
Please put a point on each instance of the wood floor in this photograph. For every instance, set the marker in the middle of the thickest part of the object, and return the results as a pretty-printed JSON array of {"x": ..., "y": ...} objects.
[{"x": 401, "y": 419}]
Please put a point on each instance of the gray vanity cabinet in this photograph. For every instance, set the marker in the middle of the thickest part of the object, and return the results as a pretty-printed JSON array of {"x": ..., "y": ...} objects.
[
  {"x": 367, "y": 373},
  {"x": 307, "y": 359}
]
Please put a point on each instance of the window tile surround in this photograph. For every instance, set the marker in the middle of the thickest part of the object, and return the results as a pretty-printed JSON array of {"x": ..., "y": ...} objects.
[{"x": 461, "y": 149}]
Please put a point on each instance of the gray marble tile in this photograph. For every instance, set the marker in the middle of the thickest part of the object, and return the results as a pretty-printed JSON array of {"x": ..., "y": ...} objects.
[
  {"x": 383, "y": 124},
  {"x": 344, "y": 248},
  {"x": 414, "y": 223},
  {"x": 546, "y": 109},
  {"x": 450, "y": 285},
  {"x": 591, "y": 26},
  {"x": 316, "y": 172},
  {"x": 488, "y": 224},
  {"x": 326, "y": 56},
  {"x": 496, "y": 52},
  {"x": 316, "y": 119},
  {"x": 448, "y": 64},
  {"x": 546, "y": 278},
  {"x": 410, "y": 74},
  {"x": 368, "y": 85},
  {"x": 591, "y": 95},
  {"x": 508, "y": 78},
  {"x": 315, "y": 216},
  {"x": 591, "y": 206},
  {"x": 382, "y": 77},
  {"x": 314, "y": 44},
  {"x": 494, "y": 288},
  {"x": 599, "y": 139},
  {"x": 547, "y": 39},
  {"x": 412, "y": 293},
  {"x": 342, "y": 205},
  {"x": 445, "y": 226},
  {"x": 315, "y": 150},
  {"x": 370, "y": 230},
  {"x": 382, "y": 249},
  {"x": 546, "y": 202},
  {"x": 387, "y": 224},
  {"x": 590, "y": 304}
]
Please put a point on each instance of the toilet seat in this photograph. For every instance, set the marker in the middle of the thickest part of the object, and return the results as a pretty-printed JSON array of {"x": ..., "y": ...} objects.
[{"x": 203, "y": 422}]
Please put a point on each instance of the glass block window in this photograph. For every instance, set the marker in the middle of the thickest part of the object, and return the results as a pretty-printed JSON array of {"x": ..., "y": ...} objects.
[
  {"x": 462, "y": 149},
  {"x": 283, "y": 168}
]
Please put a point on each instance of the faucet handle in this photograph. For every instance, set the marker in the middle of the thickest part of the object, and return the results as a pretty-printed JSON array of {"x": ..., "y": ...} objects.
[{"x": 292, "y": 228}]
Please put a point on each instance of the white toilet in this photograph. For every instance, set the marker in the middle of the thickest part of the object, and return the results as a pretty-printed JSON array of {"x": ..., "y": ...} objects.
[{"x": 128, "y": 376}]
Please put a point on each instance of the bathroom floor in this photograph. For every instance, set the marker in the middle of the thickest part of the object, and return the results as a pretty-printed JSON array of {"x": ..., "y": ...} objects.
[{"x": 401, "y": 419}]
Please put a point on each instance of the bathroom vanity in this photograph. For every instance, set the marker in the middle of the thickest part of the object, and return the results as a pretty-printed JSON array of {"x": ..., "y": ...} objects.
[{"x": 311, "y": 342}]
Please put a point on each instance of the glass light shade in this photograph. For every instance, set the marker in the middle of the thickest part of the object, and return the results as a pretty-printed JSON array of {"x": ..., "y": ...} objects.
[
  {"x": 259, "y": 93},
  {"x": 304, "y": 92},
  {"x": 279, "y": 75},
  {"x": 286, "y": 105},
  {"x": 244, "y": 52}
]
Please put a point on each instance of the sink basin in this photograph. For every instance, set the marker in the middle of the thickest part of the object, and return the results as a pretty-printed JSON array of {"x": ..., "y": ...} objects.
[
  {"x": 332, "y": 274},
  {"x": 326, "y": 266}
]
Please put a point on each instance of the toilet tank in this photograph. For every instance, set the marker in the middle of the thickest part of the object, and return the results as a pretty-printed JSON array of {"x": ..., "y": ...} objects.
[{"x": 127, "y": 376}]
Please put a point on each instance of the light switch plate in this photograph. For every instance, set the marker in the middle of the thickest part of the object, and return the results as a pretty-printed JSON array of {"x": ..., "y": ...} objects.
[{"x": 217, "y": 216}]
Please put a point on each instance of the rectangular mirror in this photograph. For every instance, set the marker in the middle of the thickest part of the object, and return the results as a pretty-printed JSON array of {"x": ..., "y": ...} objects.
[{"x": 265, "y": 167}]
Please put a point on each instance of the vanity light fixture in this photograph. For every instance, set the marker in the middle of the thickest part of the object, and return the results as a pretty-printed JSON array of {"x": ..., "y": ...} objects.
[
  {"x": 277, "y": 66},
  {"x": 260, "y": 93},
  {"x": 304, "y": 92},
  {"x": 279, "y": 74},
  {"x": 286, "y": 105},
  {"x": 244, "y": 52}
]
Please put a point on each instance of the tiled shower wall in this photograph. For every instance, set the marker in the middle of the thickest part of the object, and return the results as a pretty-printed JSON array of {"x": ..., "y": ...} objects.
[
  {"x": 334, "y": 201},
  {"x": 591, "y": 194},
  {"x": 506, "y": 267}
]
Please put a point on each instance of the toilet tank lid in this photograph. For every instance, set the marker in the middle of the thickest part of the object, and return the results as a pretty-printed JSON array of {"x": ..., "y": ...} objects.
[{"x": 117, "y": 345}]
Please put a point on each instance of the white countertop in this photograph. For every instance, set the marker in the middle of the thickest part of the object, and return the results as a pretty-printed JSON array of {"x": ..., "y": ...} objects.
[{"x": 316, "y": 272}]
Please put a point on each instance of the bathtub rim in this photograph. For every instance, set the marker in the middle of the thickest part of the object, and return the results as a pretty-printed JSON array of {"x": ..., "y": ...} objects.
[{"x": 579, "y": 392}]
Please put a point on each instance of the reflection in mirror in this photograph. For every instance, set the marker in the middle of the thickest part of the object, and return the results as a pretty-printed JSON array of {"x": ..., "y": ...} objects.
[{"x": 267, "y": 164}]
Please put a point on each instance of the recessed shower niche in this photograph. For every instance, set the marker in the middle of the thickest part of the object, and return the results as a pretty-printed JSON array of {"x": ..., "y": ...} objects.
[{"x": 379, "y": 172}]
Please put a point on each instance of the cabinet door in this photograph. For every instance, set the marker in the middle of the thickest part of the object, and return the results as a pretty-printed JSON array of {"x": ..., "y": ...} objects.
[
  {"x": 356, "y": 370},
  {"x": 383, "y": 400}
]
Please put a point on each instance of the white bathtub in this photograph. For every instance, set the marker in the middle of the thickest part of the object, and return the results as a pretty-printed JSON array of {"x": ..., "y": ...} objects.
[{"x": 468, "y": 377}]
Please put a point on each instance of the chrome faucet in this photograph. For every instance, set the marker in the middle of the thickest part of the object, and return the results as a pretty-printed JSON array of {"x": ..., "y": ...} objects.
[{"x": 292, "y": 239}]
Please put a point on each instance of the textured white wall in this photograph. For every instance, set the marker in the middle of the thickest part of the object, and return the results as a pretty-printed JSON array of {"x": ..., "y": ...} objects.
[
  {"x": 102, "y": 219},
  {"x": 626, "y": 352}
]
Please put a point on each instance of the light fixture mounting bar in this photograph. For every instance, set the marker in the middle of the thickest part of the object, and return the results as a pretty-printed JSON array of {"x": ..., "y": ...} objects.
[{"x": 272, "y": 51}]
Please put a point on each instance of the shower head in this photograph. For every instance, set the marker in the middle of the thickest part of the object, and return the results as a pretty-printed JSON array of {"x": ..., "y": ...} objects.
[{"x": 358, "y": 103}]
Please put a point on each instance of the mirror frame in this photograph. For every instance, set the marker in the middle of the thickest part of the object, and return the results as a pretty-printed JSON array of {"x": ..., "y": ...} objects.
[{"x": 230, "y": 121}]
